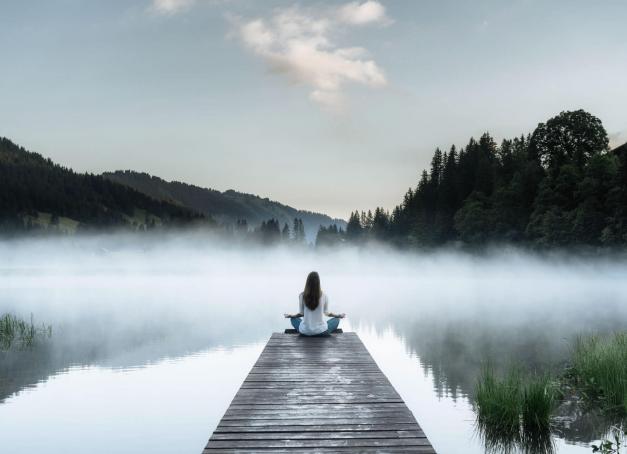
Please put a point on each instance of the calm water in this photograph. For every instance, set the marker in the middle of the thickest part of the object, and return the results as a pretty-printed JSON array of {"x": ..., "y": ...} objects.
[{"x": 151, "y": 341}]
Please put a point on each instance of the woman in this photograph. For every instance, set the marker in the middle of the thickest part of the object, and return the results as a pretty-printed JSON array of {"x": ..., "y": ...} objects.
[{"x": 312, "y": 304}]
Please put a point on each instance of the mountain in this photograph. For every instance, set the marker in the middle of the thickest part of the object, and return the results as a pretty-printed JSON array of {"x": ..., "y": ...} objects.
[
  {"x": 225, "y": 207},
  {"x": 37, "y": 194}
]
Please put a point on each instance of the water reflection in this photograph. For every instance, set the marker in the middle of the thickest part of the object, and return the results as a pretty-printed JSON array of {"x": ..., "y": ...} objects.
[
  {"x": 456, "y": 356},
  {"x": 532, "y": 443},
  {"x": 163, "y": 337},
  {"x": 170, "y": 406}
]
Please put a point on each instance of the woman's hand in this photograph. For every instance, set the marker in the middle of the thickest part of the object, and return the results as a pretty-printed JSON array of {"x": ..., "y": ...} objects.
[
  {"x": 331, "y": 314},
  {"x": 287, "y": 315}
]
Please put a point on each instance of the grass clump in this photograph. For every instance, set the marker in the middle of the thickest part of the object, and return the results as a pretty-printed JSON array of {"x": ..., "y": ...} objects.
[
  {"x": 499, "y": 402},
  {"x": 599, "y": 365},
  {"x": 539, "y": 399},
  {"x": 17, "y": 332},
  {"x": 515, "y": 411}
]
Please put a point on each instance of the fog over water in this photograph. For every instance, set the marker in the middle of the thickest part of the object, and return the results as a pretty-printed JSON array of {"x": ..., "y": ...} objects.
[{"x": 188, "y": 314}]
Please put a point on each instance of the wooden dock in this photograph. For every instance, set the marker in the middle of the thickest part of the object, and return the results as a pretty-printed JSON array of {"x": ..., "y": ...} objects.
[{"x": 317, "y": 394}]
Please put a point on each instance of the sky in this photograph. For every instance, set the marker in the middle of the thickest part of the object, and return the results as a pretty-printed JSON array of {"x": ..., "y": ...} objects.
[{"x": 329, "y": 106}]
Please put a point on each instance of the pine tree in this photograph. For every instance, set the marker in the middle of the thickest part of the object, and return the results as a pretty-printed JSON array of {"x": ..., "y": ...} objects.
[
  {"x": 369, "y": 220},
  {"x": 353, "y": 228},
  {"x": 298, "y": 231},
  {"x": 285, "y": 233},
  {"x": 301, "y": 231},
  {"x": 380, "y": 223}
]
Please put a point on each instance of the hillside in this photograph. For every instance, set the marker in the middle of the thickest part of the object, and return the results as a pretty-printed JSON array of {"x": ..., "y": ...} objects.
[
  {"x": 225, "y": 207},
  {"x": 37, "y": 194}
]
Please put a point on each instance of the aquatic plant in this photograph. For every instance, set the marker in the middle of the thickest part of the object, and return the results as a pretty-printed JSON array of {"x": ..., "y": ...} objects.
[
  {"x": 613, "y": 444},
  {"x": 599, "y": 365},
  {"x": 15, "y": 331},
  {"x": 499, "y": 402},
  {"x": 539, "y": 399},
  {"x": 515, "y": 411}
]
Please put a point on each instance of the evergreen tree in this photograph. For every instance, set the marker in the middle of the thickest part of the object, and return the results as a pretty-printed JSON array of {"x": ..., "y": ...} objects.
[
  {"x": 555, "y": 187},
  {"x": 269, "y": 231},
  {"x": 298, "y": 231},
  {"x": 380, "y": 224},
  {"x": 285, "y": 233},
  {"x": 353, "y": 228},
  {"x": 301, "y": 231},
  {"x": 369, "y": 220},
  {"x": 242, "y": 226},
  {"x": 329, "y": 236},
  {"x": 436, "y": 167}
]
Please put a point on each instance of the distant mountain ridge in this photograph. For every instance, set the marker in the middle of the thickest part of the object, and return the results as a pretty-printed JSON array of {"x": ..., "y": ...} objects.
[
  {"x": 225, "y": 207},
  {"x": 37, "y": 194}
]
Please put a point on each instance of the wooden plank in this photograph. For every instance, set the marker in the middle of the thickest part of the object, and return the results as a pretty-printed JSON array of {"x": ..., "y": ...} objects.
[
  {"x": 362, "y": 417},
  {"x": 329, "y": 427},
  {"x": 304, "y": 416},
  {"x": 318, "y": 435},
  {"x": 316, "y": 444},
  {"x": 283, "y": 394},
  {"x": 337, "y": 450},
  {"x": 307, "y": 412},
  {"x": 322, "y": 394},
  {"x": 313, "y": 421},
  {"x": 321, "y": 400},
  {"x": 318, "y": 407}
]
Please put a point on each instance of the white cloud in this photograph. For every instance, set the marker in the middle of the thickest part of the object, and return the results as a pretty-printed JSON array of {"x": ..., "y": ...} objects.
[
  {"x": 299, "y": 44},
  {"x": 368, "y": 12},
  {"x": 171, "y": 6}
]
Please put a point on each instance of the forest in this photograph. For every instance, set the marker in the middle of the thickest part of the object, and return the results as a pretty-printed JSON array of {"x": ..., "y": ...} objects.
[
  {"x": 227, "y": 208},
  {"x": 38, "y": 195},
  {"x": 559, "y": 186}
]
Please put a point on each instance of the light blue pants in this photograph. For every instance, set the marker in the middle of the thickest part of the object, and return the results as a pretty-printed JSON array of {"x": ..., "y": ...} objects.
[{"x": 332, "y": 325}]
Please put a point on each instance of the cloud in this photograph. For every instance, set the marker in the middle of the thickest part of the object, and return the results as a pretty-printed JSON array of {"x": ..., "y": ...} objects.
[
  {"x": 369, "y": 12},
  {"x": 171, "y": 6},
  {"x": 298, "y": 44}
]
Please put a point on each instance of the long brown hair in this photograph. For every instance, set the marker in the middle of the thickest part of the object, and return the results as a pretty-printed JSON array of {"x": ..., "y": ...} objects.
[{"x": 312, "y": 293}]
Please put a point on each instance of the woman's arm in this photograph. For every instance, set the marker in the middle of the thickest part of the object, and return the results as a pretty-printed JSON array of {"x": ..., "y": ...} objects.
[
  {"x": 293, "y": 315},
  {"x": 331, "y": 314}
]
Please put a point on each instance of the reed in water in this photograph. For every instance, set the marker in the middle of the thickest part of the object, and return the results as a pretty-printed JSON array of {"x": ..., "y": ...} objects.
[
  {"x": 599, "y": 366},
  {"x": 15, "y": 331}
]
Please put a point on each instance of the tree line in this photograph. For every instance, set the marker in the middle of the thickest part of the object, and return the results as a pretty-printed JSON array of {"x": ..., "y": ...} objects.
[
  {"x": 271, "y": 232},
  {"x": 556, "y": 187},
  {"x": 38, "y": 196},
  {"x": 31, "y": 184},
  {"x": 559, "y": 186}
]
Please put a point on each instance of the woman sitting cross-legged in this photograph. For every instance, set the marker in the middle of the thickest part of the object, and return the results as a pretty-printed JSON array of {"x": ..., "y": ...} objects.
[{"x": 312, "y": 304}]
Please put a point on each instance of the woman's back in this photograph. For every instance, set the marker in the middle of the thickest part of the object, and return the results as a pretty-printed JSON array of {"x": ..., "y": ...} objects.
[
  {"x": 313, "y": 305},
  {"x": 313, "y": 321}
]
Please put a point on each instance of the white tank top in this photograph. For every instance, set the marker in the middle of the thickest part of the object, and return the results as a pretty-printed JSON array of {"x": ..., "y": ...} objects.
[{"x": 313, "y": 321}]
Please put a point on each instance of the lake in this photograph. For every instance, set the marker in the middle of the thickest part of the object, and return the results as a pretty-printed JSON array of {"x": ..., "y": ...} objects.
[{"x": 153, "y": 336}]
